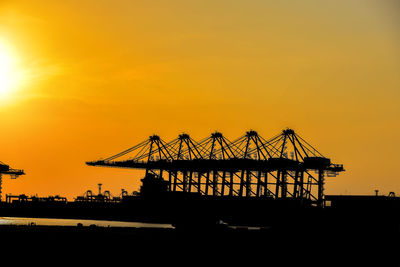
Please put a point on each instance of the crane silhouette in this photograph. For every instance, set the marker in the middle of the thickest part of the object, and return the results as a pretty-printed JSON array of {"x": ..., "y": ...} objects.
[{"x": 6, "y": 170}]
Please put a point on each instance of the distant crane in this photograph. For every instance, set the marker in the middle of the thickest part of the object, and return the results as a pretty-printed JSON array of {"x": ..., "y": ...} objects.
[{"x": 5, "y": 169}]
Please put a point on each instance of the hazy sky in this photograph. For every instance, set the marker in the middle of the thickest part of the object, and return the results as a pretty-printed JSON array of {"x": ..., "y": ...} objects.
[{"x": 96, "y": 77}]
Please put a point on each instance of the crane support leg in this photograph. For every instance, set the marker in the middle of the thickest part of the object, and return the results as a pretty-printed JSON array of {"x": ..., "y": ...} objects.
[
  {"x": 258, "y": 183},
  {"x": 296, "y": 184},
  {"x": 248, "y": 183},
  {"x": 231, "y": 184},
  {"x": 278, "y": 184},
  {"x": 266, "y": 184},
  {"x": 301, "y": 184},
  {"x": 223, "y": 183},
  {"x": 207, "y": 182},
  {"x": 320, "y": 188}
]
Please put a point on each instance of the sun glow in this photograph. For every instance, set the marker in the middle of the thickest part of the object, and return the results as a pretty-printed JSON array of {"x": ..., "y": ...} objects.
[{"x": 10, "y": 74}]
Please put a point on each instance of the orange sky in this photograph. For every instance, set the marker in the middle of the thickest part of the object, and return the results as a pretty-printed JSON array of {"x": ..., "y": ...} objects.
[{"x": 100, "y": 76}]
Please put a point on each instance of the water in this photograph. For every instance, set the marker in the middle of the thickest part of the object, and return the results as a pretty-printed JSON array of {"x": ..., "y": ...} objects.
[{"x": 75, "y": 222}]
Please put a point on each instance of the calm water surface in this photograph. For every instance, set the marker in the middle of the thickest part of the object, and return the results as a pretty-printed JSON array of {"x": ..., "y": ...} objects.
[{"x": 74, "y": 222}]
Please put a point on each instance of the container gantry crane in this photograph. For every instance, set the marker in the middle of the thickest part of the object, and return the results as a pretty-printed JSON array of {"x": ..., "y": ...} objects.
[
  {"x": 285, "y": 166},
  {"x": 6, "y": 170}
]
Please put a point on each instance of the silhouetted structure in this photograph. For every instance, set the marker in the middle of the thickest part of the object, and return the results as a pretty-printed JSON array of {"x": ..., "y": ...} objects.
[
  {"x": 5, "y": 169},
  {"x": 250, "y": 166},
  {"x": 24, "y": 198},
  {"x": 101, "y": 197}
]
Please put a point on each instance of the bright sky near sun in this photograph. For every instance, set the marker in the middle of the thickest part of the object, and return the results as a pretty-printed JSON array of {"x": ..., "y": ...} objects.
[
  {"x": 80, "y": 80},
  {"x": 10, "y": 77}
]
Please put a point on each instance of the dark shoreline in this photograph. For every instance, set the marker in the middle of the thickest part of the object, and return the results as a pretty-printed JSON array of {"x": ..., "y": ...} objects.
[
  {"x": 361, "y": 230},
  {"x": 356, "y": 245},
  {"x": 338, "y": 246}
]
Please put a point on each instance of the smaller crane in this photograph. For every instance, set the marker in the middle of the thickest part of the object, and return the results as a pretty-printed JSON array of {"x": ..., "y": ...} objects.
[{"x": 5, "y": 169}]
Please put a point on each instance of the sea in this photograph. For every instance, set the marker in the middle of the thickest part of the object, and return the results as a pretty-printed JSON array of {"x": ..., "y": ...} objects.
[{"x": 76, "y": 222}]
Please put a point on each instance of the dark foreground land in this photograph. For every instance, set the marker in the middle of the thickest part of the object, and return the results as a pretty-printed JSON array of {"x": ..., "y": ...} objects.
[
  {"x": 353, "y": 246},
  {"x": 354, "y": 231}
]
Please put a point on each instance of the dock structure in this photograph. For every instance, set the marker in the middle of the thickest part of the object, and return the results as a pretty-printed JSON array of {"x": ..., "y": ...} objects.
[{"x": 285, "y": 166}]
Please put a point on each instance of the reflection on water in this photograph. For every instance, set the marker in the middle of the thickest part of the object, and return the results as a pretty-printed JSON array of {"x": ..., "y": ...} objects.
[{"x": 75, "y": 222}]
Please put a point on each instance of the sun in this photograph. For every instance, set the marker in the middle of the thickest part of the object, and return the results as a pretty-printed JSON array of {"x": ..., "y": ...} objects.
[{"x": 10, "y": 75}]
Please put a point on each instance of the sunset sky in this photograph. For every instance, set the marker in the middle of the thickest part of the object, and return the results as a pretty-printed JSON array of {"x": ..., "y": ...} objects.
[{"x": 84, "y": 79}]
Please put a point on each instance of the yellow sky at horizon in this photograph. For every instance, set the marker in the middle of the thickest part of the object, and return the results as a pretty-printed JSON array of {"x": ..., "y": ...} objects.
[{"x": 102, "y": 77}]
